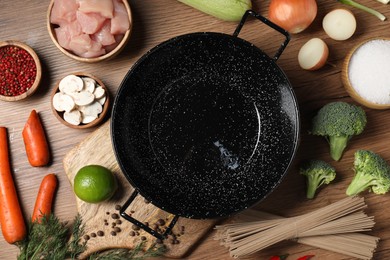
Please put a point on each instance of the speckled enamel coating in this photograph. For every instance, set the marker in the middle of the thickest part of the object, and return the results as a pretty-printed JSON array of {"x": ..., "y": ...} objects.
[{"x": 205, "y": 125}]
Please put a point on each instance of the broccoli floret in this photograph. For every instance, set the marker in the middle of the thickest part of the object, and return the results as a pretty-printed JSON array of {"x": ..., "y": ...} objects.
[
  {"x": 338, "y": 122},
  {"x": 372, "y": 172},
  {"x": 317, "y": 172}
]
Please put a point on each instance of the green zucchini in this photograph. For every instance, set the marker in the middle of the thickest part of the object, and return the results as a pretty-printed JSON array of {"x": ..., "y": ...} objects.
[{"x": 227, "y": 10}]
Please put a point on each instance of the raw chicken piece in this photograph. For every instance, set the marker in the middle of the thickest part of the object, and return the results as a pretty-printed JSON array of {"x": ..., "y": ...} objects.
[
  {"x": 84, "y": 46},
  {"x": 66, "y": 32},
  {"x": 96, "y": 50},
  {"x": 104, "y": 7},
  {"x": 118, "y": 39},
  {"x": 104, "y": 36},
  {"x": 73, "y": 28},
  {"x": 120, "y": 22},
  {"x": 90, "y": 22},
  {"x": 80, "y": 44},
  {"x": 63, "y": 11},
  {"x": 63, "y": 37}
]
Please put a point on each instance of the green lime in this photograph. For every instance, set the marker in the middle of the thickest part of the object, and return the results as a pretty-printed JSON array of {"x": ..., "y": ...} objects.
[{"x": 94, "y": 183}]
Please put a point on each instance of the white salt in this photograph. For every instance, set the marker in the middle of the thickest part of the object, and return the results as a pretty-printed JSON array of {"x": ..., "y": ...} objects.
[{"x": 369, "y": 71}]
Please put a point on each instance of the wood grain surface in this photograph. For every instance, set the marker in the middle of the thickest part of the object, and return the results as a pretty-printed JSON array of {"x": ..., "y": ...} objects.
[
  {"x": 95, "y": 215},
  {"x": 156, "y": 21}
]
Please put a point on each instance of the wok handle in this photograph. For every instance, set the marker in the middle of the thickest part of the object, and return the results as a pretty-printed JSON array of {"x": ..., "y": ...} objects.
[
  {"x": 156, "y": 234},
  {"x": 270, "y": 24}
]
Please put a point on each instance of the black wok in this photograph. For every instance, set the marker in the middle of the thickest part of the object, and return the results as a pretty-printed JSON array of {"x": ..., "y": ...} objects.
[{"x": 205, "y": 125}]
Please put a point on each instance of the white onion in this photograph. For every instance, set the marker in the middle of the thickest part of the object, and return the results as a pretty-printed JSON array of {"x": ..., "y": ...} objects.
[
  {"x": 339, "y": 24},
  {"x": 313, "y": 54}
]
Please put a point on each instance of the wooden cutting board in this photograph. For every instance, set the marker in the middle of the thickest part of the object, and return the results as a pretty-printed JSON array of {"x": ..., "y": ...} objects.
[{"x": 97, "y": 149}]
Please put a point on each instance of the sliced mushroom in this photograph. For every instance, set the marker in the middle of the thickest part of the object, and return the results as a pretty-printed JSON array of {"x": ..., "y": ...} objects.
[
  {"x": 102, "y": 100},
  {"x": 70, "y": 84},
  {"x": 89, "y": 84},
  {"x": 73, "y": 117},
  {"x": 93, "y": 109},
  {"x": 63, "y": 102},
  {"x": 99, "y": 92},
  {"x": 83, "y": 98},
  {"x": 87, "y": 119}
]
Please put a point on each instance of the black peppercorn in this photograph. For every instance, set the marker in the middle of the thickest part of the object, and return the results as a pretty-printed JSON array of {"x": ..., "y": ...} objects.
[
  {"x": 135, "y": 227},
  {"x": 160, "y": 222},
  {"x": 117, "y": 229}
]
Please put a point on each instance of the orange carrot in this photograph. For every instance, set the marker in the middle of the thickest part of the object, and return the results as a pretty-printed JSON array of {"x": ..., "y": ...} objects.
[
  {"x": 12, "y": 223},
  {"x": 45, "y": 197},
  {"x": 37, "y": 148}
]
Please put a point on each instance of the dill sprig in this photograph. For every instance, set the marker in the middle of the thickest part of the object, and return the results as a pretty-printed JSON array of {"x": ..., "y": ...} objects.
[
  {"x": 137, "y": 253},
  {"x": 51, "y": 239},
  {"x": 75, "y": 246}
]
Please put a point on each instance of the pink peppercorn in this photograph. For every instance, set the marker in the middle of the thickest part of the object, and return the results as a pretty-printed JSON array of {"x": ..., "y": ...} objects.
[{"x": 17, "y": 71}]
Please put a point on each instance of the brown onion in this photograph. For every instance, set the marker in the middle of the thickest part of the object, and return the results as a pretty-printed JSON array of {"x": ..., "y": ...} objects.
[{"x": 292, "y": 15}]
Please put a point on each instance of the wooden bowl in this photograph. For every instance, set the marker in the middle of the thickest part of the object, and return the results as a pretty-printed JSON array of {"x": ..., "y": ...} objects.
[
  {"x": 107, "y": 56},
  {"x": 38, "y": 76},
  {"x": 101, "y": 116},
  {"x": 347, "y": 84}
]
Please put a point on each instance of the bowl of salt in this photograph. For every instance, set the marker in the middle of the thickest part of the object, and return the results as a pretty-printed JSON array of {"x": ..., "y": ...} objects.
[{"x": 365, "y": 73}]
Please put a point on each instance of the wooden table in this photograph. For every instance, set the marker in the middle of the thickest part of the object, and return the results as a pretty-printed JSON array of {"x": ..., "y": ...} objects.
[{"x": 156, "y": 21}]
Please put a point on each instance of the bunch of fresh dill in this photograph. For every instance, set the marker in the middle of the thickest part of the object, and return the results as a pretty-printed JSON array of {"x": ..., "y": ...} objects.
[
  {"x": 49, "y": 239},
  {"x": 52, "y": 239}
]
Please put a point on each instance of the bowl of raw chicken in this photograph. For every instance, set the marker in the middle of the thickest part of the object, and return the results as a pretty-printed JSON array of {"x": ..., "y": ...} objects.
[{"x": 89, "y": 30}]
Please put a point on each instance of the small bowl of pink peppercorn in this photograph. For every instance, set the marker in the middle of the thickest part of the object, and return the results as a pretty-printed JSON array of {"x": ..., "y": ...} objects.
[{"x": 20, "y": 71}]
